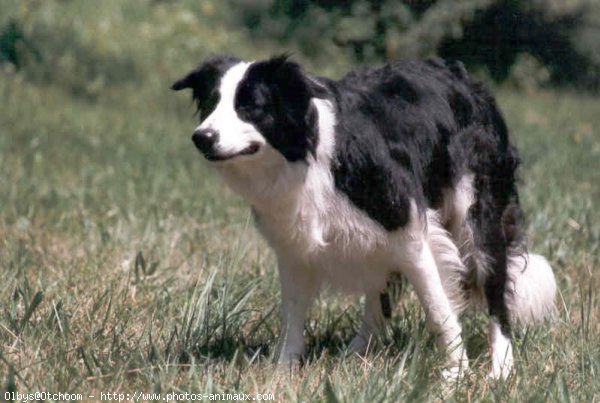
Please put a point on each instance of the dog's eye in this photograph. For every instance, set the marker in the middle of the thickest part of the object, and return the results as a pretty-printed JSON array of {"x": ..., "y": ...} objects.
[
  {"x": 206, "y": 106},
  {"x": 251, "y": 112}
]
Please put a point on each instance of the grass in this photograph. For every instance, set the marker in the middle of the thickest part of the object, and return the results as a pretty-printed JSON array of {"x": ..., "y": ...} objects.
[{"x": 126, "y": 266}]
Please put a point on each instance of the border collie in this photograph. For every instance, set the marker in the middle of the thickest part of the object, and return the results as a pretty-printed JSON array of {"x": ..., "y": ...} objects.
[{"x": 403, "y": 169}]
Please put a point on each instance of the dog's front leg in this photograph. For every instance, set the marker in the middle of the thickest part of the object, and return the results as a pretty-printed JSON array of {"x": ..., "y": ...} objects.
[{"x": 299, "y": 285}]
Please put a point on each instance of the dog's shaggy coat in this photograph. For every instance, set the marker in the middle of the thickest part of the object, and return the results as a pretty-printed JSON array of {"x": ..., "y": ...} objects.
[{"x": 403, "y": 169}]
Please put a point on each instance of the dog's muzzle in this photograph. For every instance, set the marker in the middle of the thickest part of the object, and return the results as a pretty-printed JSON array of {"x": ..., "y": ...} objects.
[{"x": 206, "y": 139}]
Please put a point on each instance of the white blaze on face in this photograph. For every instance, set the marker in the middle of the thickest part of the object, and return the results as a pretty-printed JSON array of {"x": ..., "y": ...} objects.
[{"x": 235, "y": 135}]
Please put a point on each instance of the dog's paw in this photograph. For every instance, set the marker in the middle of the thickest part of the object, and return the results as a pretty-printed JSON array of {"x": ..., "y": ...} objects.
[
  {"x": 359, "y": 345},
  {"x": 454, "y": 373},
  {"x": 502, "y": 366},
  {"x": 457, "y": 368},
  {"x": 500, "y": 371},
  {"x": 290, "y": 363}
]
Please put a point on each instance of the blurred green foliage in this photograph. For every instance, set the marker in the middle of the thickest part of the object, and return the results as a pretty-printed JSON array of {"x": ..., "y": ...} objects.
[
  {"x": 89, "y": 49},
  {"x": 562, "y": 37}
]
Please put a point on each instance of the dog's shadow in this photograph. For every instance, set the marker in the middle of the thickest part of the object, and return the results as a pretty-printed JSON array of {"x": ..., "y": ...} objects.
[
  {"x": 330, "y": 342},
  {"x": 324, "y": 339}
]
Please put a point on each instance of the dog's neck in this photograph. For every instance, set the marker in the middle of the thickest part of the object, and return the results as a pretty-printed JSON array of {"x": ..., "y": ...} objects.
[{"x": 268, "y": 185}]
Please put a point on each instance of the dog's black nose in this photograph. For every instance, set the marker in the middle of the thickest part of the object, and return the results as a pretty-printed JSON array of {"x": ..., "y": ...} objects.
[{"x": 205, "y": 139}]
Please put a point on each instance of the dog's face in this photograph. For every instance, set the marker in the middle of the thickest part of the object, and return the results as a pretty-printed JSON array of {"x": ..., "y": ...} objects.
[{"x": 253, "y": 111}]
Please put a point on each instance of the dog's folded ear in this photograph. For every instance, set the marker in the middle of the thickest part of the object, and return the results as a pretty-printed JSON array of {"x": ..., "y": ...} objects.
[
  {"x": 196, "y": 78},
  {"x": 210, "y": 70},
  {"x": 204, "y": 78},
  {"x": 182, "y": 83}
]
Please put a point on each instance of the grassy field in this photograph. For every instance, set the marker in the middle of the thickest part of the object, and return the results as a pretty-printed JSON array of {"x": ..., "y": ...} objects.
[{"x": 126, "y": 266}]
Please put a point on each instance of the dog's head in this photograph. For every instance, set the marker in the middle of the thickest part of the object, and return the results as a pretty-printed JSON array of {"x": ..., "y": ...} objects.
[{"x": 253, "y": 110}]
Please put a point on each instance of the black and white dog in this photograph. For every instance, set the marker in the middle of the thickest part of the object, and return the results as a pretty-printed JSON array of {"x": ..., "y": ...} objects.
[{"x": 403, "y": 169}]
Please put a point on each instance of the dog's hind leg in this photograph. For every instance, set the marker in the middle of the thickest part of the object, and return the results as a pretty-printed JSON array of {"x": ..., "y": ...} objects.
[
  {"x": 493, "y": 240},
  {"x": 447, "y": 257},
  {"x": 378, "y": 311},
  {"x": 420, "y": 269}
]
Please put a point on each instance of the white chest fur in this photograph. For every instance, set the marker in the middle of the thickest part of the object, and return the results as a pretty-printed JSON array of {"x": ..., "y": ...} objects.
[{"x": 315, "y": 224}]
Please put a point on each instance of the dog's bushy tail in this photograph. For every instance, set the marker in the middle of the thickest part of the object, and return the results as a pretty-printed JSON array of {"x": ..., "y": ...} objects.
[{"x": 531, "y": 289}]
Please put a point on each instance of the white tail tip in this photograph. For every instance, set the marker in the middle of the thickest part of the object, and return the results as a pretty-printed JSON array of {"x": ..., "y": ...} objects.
[{"x": 532, "y": 289}]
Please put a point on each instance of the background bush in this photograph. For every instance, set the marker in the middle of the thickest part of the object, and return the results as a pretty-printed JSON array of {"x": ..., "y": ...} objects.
[
  {"x": 562, "y": 37},
  {"x": 530, "y": 43}
]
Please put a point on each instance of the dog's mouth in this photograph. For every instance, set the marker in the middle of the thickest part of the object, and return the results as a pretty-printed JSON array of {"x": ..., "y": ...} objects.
[{"x": 253, "y": 148}]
